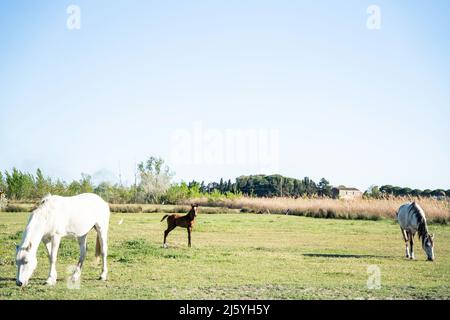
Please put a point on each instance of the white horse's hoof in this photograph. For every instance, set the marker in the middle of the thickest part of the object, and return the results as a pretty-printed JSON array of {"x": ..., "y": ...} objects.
[
  {"x": 165, "y": 246},
  {"x": 102, "y": 277},
  {"x": 50, "y": 282}
]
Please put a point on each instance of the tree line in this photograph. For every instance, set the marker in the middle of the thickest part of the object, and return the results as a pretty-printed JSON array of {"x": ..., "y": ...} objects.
[
  {"x": 395, "y": 191},
  {"x": 154, "y": 185}
]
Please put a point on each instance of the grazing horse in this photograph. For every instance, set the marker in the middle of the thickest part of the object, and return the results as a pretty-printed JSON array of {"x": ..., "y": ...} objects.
[
  {"x": 176, "y": 220},
  {"x": 411, "y": 218},
  {"x": 57, "y": 217}
]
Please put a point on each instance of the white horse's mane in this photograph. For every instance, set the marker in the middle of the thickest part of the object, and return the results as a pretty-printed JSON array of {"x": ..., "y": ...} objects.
[
  {"x": 37, "y": 217},
  {"x": 421, "y": 219},
  {"x": 43, "y": 207}
]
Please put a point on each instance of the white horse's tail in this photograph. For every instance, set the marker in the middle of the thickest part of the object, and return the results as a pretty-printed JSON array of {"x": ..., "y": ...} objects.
[{"x": 98, "y": 249}]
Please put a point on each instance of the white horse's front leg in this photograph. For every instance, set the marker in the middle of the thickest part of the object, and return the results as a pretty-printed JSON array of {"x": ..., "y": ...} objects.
[
  {"x": 77, "y": 273},
  {"x": 54, "y": 244},
  {"x": 48, "y": 246}
]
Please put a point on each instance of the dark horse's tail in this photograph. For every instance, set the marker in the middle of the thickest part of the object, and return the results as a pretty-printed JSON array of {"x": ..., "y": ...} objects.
[{"x": 164, "y": 217}]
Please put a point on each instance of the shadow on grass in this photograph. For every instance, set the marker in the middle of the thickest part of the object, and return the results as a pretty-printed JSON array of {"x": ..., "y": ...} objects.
[
  {"x": 31, "y": 280},
  {"x": 345, "y": 256},
  {"x": 7, "y": 280}
]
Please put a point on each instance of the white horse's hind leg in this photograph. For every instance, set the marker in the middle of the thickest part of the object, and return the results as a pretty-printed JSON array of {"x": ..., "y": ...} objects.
[
  {"x": 77, "y": 273},
  {"x": 55, "y": 241},
  {"x": 103, "y": 235}
]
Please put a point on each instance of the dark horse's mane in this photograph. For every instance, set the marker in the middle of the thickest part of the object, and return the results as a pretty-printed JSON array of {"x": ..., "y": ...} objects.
[{"x": 423, "y": 230}]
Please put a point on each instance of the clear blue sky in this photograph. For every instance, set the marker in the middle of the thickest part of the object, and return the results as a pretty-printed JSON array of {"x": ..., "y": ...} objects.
[{"x": 354, "y": 105}]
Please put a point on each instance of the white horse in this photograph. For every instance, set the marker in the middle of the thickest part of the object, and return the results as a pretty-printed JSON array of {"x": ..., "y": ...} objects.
[
  {"x": 58, "y": 217},
  {"x": 411, "y": 218}
]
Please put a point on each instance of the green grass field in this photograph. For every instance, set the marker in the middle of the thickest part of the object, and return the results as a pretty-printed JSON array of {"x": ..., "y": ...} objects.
[{"x": 237, "y": 256}]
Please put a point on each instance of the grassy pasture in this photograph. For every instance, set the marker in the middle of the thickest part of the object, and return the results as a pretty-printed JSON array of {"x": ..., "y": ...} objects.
[{"x": 238, "y": 256}]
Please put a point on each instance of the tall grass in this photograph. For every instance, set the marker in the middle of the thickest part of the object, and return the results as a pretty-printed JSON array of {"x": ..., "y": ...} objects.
[{"x": 437, "y": 211}]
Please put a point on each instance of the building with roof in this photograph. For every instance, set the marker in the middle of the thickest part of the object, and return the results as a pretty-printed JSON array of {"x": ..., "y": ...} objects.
[{"x": 342, "y": 192}]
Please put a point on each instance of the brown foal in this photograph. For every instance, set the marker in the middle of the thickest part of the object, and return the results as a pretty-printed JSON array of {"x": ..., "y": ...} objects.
[{"x": 176, "y": 220}]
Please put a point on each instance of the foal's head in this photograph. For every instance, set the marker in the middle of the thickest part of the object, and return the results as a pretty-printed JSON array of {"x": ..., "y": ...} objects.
[{"x": 194, "y": 210}]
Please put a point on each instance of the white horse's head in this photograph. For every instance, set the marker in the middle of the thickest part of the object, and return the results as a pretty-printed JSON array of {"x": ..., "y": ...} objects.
[
  {"x": 428, "y": 246},
  {"x": 26, "y": 262}
]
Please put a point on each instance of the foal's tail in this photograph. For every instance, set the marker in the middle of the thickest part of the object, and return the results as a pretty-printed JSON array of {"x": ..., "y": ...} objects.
[{"x": 164, "y": 217}]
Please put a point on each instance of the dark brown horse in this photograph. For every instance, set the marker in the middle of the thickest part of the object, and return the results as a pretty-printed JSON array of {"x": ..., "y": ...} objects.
[{"x": 176, "y": 220}]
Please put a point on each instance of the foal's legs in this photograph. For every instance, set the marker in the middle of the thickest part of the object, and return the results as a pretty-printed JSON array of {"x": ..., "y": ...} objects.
[
  {"x": 405, "y": 237},
  {"x": 55, "y": 241},
  {"x": 169, "y": 228},
  {"x": 82, "y": 242},
  {"x": 189, "y": 230}
]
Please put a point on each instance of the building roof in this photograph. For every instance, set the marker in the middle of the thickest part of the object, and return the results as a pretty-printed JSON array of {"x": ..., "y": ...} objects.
[{"x": 347, "y": 189}]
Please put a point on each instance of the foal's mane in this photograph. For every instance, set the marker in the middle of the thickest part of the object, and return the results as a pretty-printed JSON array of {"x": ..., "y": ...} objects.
[{"x": 420, "y": 216}]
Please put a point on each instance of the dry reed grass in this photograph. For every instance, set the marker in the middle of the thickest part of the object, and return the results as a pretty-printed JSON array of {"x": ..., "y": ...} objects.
[{"x": 437, "y": 211}]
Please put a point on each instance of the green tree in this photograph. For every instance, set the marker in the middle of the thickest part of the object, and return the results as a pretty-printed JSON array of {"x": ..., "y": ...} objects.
[
  {"x": 405, "y": 191},
  {"x": 3, "y": 185},
  {"x": 59, "y": 188},
  {"x": 324, "y": 188},
  {"x": 438, "y": 193},
  {"x": 155, "y": 179},
  {"x": 74, "y": 188},
  {"x": 105, "y": 191},
  {"x": 43, "y": 186},
  {"x": 86, "y": 185},
  {"x": 177, "y": 193},
  {"x": 387, "y": 189},
  {"x": 20, "y": 186},
  {"x": 374, "y": 192}
]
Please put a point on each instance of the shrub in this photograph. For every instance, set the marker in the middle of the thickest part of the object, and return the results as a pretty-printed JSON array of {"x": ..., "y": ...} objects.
[
  {"x": 125, "y": 208},
  {"x": 15, "y": 208},
  {"x": 3, "y": 202}
]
